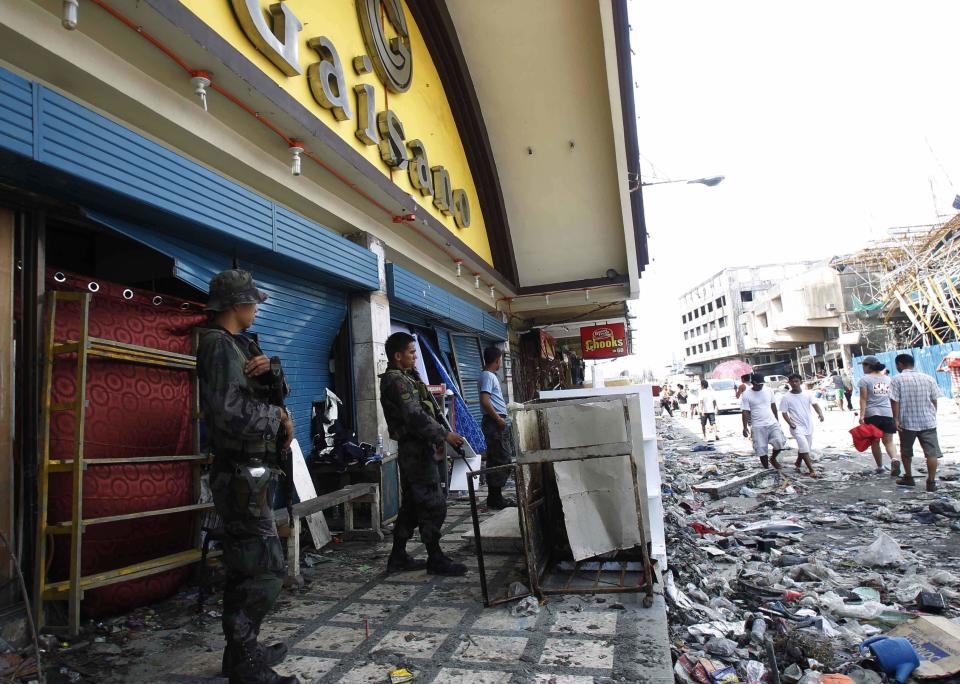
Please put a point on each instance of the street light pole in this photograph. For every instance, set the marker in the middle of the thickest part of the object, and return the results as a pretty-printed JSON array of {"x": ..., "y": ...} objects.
[{"x": 709, "y": 182}]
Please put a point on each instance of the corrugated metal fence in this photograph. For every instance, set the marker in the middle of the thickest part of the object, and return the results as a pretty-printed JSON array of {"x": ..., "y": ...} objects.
[{"x": 926, "y": 360}]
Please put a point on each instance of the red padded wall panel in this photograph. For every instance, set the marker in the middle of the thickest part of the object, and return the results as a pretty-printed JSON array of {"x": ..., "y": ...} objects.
[{"x": 132, "y": 410}]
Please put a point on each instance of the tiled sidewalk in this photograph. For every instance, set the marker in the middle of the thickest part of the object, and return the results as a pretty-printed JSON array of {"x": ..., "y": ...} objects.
[{"x": 354, "y": 623}]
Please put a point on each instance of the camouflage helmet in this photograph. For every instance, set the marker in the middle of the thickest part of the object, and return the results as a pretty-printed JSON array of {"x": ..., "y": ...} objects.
[{"x": 233, "y": 287}]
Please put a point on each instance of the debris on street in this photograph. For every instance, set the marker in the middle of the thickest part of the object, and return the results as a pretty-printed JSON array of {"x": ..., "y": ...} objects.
[{"x": 777, "y": 577}]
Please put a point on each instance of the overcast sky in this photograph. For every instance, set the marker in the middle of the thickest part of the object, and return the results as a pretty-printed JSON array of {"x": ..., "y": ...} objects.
[{"x": 832, "y": 120}]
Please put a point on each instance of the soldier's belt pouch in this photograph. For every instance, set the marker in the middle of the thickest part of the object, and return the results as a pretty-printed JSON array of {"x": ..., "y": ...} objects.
[
  {"x": 253, "y": 555},
  {"x": 250, "y": 485}
]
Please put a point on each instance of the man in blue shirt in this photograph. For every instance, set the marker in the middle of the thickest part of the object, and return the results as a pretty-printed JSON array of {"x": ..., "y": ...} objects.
[{"x": 494, "y": 426}]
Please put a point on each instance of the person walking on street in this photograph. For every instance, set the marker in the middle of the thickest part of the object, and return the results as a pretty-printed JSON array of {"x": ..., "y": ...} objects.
[
  {"x": 797, "y": 407},
  {"x": 708, "y": 410},
  {"x": 246, "y": 434},
  {"x": 759, "y": 414},
  {"x": 875, "y": 409},
  {"x": 666, "y": 399},
  {"x": 837, "y": 383},
  {"x": 682, "y": 399},
  {"x": 847, "y": 388},
  {"x": 744, "y": 384},
  {"x": 494, "y": 426},
  {"x": 951, "y": 365},
  {"x": 913, "y": 397},
  {"x": 412, "y": 422}
]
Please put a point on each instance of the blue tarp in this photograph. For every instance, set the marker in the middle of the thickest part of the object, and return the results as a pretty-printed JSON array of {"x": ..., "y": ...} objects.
[
  {"x": 926, "y": 360},
  {"x": 466, "y": 425}
]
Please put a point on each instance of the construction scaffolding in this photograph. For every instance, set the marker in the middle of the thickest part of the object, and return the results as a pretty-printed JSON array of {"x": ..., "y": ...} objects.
[{"x": 912, "y": 278}]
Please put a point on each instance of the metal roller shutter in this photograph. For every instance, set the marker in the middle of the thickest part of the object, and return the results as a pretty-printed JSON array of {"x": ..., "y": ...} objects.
[
  {"x": 297, "y": 323},
  {"x": 469, "y": 358}
]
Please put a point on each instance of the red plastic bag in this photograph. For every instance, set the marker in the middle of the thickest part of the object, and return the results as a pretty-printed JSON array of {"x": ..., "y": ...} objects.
[
  {"x": 865, "y": 435},
  {"x": 702, "y": 529}
]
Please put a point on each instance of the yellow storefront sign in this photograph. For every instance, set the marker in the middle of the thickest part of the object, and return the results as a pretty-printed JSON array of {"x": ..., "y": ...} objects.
[{"x": 362, "y": 67}]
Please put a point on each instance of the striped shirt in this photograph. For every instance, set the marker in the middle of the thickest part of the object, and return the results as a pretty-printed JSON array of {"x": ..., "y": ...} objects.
[{"x": 915, "y": 393}]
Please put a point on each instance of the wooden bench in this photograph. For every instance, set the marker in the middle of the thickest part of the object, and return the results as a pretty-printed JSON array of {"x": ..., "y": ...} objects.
[{"x": 359, "y": 493}]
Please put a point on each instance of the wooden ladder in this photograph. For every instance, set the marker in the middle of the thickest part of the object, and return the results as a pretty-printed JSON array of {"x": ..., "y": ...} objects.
[{"x": 72, "y": 589}]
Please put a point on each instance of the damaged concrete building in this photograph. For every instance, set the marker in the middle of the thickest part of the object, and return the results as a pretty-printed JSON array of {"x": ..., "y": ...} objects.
[{"x": 427, "y": 169}]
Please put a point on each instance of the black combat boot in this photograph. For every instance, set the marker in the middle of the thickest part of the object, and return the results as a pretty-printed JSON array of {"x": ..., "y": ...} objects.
[
  {"x": 438, "y": 563},
  {"x": 249, "y": 666},
  {"x": 496, "y": 500},
  {"x": 272, "y": 655},
  {"x": 401, "y": 561}
]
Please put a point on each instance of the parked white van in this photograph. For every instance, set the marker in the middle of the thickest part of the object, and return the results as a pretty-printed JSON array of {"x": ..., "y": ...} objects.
[{"x": 726, "y": 393}]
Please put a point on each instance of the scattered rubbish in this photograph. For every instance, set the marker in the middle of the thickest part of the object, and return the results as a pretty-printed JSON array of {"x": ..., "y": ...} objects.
[
  {"x": 524, "y": 607},
  {"x": 727, "y": 675},
  {"x": 788, "y": 559},
  {"x": 895, "y": 655},
  {"x": 517, "y": 589},
  {"x": 951, "y": 509},
  {"x": 937, "y": 640},
  {"x": 859, "y": 675},
  {"x": 718, "y": 629},
  {"x": 774, "y": 527},
  {"x": 883, "y": 551},
  {"x": 758, "y": 630},
  {"x": 401, "y": 675},
  {"x": 931, "y": 602},
  {"x": 792, "y": 674},
  {"x": 784, "y": 578},
  {"x": 719, "y": 646},
  {"x": 811, "y": 677},
  {"x": 755, "y": 671},
  {"x": 702, "y": 529},
  {"x": 867, "y": 593}
]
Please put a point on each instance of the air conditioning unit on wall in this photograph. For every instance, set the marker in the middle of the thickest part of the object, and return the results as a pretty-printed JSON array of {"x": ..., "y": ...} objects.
[{"x": 831, "y": 307}]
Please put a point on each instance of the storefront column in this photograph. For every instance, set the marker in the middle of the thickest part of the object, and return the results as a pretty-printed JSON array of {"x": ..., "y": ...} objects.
[{"x": 370, "y": 327}]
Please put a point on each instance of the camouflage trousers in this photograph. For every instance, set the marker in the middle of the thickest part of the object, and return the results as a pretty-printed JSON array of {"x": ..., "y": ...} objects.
[
  {"x": 425, "y": 506},
  {"x": 252, "y": 555}
]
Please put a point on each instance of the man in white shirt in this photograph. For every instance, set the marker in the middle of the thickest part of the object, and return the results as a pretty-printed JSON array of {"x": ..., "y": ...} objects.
[
  {"x": 707, "y": 404},
  {"x": 759, "y": 414},
  {"x": 796, "y": 407}
]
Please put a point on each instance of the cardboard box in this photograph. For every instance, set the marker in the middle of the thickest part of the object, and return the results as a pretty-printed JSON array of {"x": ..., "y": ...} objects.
[{"x": 937, "y": 641}]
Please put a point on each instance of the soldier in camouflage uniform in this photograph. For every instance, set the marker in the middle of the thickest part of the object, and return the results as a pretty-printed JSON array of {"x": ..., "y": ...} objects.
[
  {"x": 244, "y": 432},
  {"x": 412, "y": 422}
]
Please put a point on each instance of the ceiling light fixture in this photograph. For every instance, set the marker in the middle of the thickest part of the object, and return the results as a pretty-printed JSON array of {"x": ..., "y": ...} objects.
[
  {"x": 296, "y": 148},
  {"x": 201, "y": 81},
  {"x": 69, "y": 16}
]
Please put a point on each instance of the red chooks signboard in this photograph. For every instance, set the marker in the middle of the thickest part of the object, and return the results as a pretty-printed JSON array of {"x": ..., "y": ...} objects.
[{"x": 604, "y": 341}]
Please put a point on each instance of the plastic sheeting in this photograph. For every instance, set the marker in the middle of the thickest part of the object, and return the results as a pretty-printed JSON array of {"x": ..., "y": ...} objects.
[{"x": 466, "y": 425}]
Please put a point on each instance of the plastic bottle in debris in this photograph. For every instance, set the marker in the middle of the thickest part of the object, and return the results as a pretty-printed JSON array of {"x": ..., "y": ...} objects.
[
  {"x": 379, "y": 451},
  {"x": 758, "y": 630}
]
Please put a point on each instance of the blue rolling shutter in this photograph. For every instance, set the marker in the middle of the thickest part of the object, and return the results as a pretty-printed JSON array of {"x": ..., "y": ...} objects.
[
  {"x": 466, "y": 350},
  {"x": 16, "y": 114},
  {"x": 90, "y": 159},
  {"x": 297, "y": 323},
  {"x": 191, "y": 264},
  {"x": 418, "y": 301}
]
